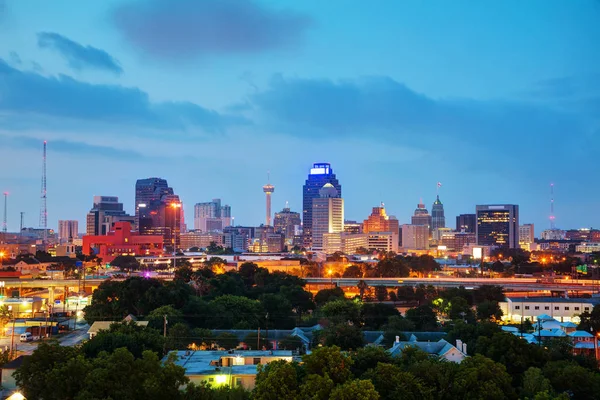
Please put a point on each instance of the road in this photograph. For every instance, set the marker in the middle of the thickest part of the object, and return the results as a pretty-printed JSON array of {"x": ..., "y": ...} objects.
[
  {"x": 68, "y": 339},
  {"x": 525, "y": 284}
]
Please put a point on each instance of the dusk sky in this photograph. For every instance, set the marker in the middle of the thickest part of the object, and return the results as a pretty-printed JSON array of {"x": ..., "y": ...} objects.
[{"x": 494, "y": 99}]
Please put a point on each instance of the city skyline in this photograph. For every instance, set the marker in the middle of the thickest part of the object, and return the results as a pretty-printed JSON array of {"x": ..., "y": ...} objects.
[{"x": 394, "y": 104}]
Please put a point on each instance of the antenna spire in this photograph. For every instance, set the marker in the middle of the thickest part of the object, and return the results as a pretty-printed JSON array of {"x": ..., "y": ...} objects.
[
  {"x": 43, "y": 205},
  {"x": 4, "y": 228},
  {"x": 552, "y": 217}
]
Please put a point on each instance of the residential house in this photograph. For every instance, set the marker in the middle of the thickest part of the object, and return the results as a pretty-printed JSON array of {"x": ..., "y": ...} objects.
[
  {"x": 105, "y": 325},
  {"x": 441, "y": 348},
  {"x": 221, "y": 367},
  {"x": 9, "y": 384}
]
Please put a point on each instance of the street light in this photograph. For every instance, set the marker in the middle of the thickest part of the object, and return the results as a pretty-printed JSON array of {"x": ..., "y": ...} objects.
[{"x": 330, "y": 273}]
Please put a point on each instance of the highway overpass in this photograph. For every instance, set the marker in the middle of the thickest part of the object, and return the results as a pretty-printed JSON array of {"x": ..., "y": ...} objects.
[{"x": 516, "y": 284}]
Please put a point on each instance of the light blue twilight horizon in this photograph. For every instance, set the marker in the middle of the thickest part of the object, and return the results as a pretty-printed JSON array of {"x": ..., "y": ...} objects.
[{"x": 496, "y": 100}]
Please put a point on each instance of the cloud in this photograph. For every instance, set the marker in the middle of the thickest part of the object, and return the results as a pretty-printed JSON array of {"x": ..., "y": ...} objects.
[
  {"x": 72, "y": 148},
  {"x": 383, "y": 108},
  {"x": 79, "y": 57},
  {"x": 187, "y": 29},
  {"x": 63, "y": 98},
  {"x": 14, "y": 58}
]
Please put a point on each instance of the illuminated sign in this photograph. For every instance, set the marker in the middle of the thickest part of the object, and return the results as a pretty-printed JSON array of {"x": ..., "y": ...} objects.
[
  {"x": 477, "y": 253},
  {"x": 141, "y": 205},
  {"x": 319, "y": 171}
]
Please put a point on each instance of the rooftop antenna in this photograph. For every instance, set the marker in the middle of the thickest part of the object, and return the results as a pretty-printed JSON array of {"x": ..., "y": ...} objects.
[
  {"x": 43, "y": 205},
  {"x": 4, "y": 227},
  {"x": 552, "y": 217}
]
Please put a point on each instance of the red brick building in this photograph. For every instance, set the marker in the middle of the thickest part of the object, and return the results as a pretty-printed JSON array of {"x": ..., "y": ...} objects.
[{"x": 122, "y": 241}]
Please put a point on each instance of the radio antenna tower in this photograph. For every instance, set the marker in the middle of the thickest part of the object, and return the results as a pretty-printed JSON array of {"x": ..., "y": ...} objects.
[
  {"x": 552, "y": 226},
  {"x": 43, "y": 206},
  {"x": 4, "y": 228}
]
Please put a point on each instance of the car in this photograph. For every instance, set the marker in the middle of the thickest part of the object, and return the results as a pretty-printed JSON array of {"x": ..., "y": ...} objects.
[{"x": 26, "y": 337}]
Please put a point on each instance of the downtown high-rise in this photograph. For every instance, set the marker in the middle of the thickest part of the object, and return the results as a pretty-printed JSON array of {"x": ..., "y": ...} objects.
[
  {"x": 438, "y": 219},
  {"x": 327, "y": 215},
  {"x": 158, "y": 210},
  {"x": 498, "y": 225},
  {"x": 320, "y": 174},
  {"x": 211, "y": 216}
]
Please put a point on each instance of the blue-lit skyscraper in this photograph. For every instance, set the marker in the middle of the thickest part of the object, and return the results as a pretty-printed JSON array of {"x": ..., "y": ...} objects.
[{"x": 320, "y": 174}]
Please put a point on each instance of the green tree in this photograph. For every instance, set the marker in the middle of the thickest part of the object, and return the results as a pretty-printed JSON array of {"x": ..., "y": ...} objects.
[
  {"x": 489, "y": 310},
  {"x": 342, "y": 311},
  {"x": 227, "y": 340},
  {"x": 331, "y": 361},
  {"x": 367, "y": 358},
  {"x": 111, "y": 377},
  {"x": 391, "y": 268},
  {"x": 479, "y": 377},
  {"x": 405, "y": 293},
  {"x": 301, "y": 300},
  {"x": 353, "y": 271},
  {"x": 392, "y": 383},
  {"x": 184, "y": 273},
  {"x": 279, "y": 311},
  {"x": 35, "y": 376},
  {"x": 513, "y": 352},
  {"x": 179, "y": 337},
  {"x": 375, "y": 315},
  {"x": 578, "y": 382},
  {"x": 291, "y": 343},
  {"x": 590, "y": 321},
  {"x": 156, "y": 318},
  {"x": 325, "y": 295},
  {"x": 354, "y": 390},
  {"x": 381, "y": 293},
  {"x": 253, "y": 341},
  {"x": 423, "y": 318},
  {"x": 235, "y": 312},
  {"x": 534, "y": 382},
  {"x": 316, "y": 387},
  {"x": 136, "y": 339},
  {"x": 343, "y": 335},
  {"x": 126, "y": 263},
  {"x": 395, "y": 326},
  {"x": 276, "y": 380}
]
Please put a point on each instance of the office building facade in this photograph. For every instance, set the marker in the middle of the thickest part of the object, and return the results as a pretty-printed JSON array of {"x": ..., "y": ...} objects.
[
  {"x": 415, "y": 237},
  {"x": 319, "y": 175},
  {"x": 526, "y": 236},
  {"x": 466, "y": 223},
  {"x": 438, "y": 218},
  {"x": 67, "y": 231},
  {"x": 379, "y": 221},
  {"x": 498, "y": 225},
  {"x": 327, "y": 215},
  {"x": 212, "y": 216},
  {"x": 422, "y": 217},
  {"x": 105, "y": 212},
  {"x": 287, "y": 222}
]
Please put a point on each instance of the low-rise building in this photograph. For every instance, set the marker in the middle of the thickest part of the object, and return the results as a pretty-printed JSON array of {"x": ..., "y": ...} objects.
[
  {"x": 226, "y": 368},
  {"x": 122, "y": 241},
  {"x": 518, "y": 309},
  {"x": 441, "y": 348}
]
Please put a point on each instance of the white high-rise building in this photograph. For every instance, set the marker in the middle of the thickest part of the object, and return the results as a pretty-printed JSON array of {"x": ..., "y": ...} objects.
[
  {"x": 211, "y": 216},
  {"x": 526, "y": 236},
  {"x": 415, "y": 237},
  {"x": 68, "y": 230},
  {"x": 327, "y": 215}
]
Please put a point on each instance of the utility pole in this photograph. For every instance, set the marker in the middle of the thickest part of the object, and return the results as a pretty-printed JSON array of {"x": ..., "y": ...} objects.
[{"x": 165, "y": 325}]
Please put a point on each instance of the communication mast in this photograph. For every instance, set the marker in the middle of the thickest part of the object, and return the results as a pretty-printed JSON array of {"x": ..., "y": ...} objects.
[
  {"x": 43, "y": 206},
  {"x": 4, "y": 228},
  {"x": 552, "y": 217}
]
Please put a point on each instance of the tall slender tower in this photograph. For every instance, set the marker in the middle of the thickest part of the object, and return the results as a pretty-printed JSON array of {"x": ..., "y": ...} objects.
[
  {"x": 43, "y": 206},
  {"x": 268, "y": 189},
  {"x": 4, "y": 228},
  {"x": 552, "y": 217}
]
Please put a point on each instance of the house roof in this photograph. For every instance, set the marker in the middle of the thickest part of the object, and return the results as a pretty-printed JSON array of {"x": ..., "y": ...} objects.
[
  {"x": 544, "y": 317},
  {"x": 438, "y": 348},
  {"x": 584, "y": 345},
  {"x": 581, "y": 334},
  {"x": 568, "y": 325},
  {"x": 16, "y": 363},
  {"x": 549, "y": 333},
  {"x": 105, "y": 325},
  {"x": 510, "y": 329}
]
